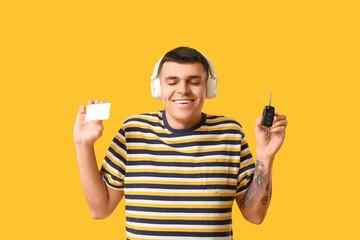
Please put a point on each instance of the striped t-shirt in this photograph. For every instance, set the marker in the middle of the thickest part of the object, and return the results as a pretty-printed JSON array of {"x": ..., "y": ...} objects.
[{"x": 179, "y": 184}]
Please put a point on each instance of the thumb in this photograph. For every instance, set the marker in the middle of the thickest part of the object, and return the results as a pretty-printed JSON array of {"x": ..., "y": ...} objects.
[
  {"x": 81, "y": 114},
  {"x": 258, "y": 123}
]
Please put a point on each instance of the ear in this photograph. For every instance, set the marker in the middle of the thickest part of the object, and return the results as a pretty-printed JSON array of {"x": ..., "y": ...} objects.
[
  {"x": 156, "y": 89},
  {"x": 211, "y": 88}
]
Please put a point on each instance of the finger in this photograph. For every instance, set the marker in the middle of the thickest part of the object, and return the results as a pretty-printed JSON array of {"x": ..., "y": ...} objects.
[
  {"x": 280, "y": 129},
  {"x": 98, "y": 121},
  {"x": 280, "y": 117},
  {"x": 82, "y": 109},
  {"x": 259, "y": 119},
  {"x": 276, "y": 113},
  {"x": 81, "y": 114},
  {"x": 97, "y": 101},
  {"x": 102, "y": 101},
  {"x": 90, "y": 102},
  {"x": 258, "y": 123},
  {"x": 280, "y": 123}
]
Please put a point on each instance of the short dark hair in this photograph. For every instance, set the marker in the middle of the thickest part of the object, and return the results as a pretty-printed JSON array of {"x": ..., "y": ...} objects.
[{"x": 184, "y": 55}]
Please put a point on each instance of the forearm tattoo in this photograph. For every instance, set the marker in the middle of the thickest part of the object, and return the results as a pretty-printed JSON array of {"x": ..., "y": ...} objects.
[{"x": 256, "y": 186}]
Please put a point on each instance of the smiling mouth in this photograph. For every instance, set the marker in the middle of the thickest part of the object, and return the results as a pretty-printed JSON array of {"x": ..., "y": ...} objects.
[{"x": 184, "y": 101}]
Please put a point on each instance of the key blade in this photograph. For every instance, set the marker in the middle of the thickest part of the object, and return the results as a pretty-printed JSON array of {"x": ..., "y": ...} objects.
[{"x": 270, "y": 99}]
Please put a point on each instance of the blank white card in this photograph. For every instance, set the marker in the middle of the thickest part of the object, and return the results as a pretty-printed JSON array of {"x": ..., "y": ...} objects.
[{"x": 97, "y": 111}]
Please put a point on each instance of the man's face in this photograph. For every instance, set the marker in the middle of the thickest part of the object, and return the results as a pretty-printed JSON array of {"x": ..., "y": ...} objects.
[{"x": 183, "y": 92}]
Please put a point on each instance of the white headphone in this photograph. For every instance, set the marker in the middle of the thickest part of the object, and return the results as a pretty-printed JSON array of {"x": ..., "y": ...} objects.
[{"x": 211, "y": 85}]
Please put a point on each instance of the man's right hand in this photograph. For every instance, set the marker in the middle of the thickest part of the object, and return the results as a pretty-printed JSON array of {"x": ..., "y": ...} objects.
[{"x": 87, "y": 132}]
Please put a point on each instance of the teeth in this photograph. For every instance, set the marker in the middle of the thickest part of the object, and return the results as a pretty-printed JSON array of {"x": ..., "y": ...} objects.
[{"x": 183, "y": 101}]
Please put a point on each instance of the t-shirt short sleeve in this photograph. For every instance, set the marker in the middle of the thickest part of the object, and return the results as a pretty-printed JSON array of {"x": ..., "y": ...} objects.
[
  {"x": 114, "y": 164},
  {"x": 247, "y": 167}
]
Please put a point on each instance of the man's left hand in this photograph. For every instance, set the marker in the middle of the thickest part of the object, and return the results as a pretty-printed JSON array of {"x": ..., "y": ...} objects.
[{"x": 268, "y": 146}]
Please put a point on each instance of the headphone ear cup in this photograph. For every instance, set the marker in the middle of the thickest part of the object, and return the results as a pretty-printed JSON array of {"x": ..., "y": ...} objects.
[
  {"x": 211, "y": 88},
  {"x": 156, "y": 89}
]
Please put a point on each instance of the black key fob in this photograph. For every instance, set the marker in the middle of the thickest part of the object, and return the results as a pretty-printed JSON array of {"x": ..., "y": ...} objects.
[{"x": 268, "y": 115}]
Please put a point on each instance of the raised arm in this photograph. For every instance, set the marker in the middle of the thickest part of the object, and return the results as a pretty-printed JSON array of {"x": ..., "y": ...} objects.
[
  {"x": 102, "y": 200},
  {"x": 254, "y": 203}
]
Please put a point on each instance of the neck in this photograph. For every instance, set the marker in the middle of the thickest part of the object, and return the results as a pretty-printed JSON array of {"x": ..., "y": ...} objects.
[{"x": 177, "y": 123}]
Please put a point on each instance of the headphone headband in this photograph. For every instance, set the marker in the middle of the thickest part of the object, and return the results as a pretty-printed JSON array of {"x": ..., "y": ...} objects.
[{"x": 156, "y": 69}]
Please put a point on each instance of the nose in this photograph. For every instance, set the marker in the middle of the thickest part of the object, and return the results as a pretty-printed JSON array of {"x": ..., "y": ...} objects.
[{"x": 183, "y": 88}]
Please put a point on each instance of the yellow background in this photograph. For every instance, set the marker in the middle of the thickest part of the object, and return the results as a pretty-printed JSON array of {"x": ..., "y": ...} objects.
[{"x": 55, "y": 55}]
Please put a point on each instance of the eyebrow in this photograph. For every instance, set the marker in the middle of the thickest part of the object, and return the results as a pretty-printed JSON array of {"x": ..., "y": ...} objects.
[{"x": 189, "y": 77}]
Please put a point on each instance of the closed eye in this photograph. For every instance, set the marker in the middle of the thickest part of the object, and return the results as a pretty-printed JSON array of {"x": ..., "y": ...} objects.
[{"x": 195, "y": 83}]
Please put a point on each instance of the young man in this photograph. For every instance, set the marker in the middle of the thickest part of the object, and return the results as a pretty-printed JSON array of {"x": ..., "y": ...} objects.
[{"x": 179, "y": 169}]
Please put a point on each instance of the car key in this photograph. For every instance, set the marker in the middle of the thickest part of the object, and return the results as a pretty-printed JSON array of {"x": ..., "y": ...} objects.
[{"x": 268, "y": 117}]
